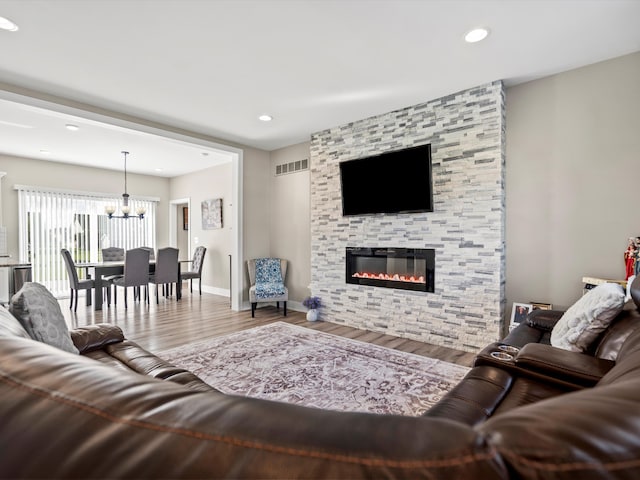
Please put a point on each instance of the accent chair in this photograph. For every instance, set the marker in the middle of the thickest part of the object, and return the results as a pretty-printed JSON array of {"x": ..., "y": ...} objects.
[{"x": 266, "y": 277}]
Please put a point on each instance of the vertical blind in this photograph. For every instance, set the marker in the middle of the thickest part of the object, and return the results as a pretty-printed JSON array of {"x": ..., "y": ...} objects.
[{"x": 50, "y": 220}]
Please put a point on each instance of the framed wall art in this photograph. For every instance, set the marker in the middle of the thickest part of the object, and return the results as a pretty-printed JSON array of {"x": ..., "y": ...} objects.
[
  {"x": 212, "y": 214},
  {"x": 185, "y": 218}
]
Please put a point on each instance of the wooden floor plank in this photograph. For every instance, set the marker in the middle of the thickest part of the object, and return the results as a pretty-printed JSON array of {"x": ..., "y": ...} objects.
[{"x": 196, "y": 318}]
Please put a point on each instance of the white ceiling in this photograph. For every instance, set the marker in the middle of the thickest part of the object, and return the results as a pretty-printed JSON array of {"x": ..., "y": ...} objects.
[{"x": 212, "y": 66}]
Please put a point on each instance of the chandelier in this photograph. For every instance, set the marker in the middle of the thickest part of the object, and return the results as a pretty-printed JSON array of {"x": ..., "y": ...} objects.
[{"x": 125, "y": 209}]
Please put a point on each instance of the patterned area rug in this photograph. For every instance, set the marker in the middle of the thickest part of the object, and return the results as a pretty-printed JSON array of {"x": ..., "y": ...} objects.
[{"x": 288, "y": 363}]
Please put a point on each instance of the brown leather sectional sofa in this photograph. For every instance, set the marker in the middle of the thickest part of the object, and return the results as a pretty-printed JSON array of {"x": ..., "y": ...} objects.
[{"x": 118, "y": 411}]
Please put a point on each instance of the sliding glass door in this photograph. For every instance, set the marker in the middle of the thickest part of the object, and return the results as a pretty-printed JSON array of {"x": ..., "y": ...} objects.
[{"x": 52, "y": 220}]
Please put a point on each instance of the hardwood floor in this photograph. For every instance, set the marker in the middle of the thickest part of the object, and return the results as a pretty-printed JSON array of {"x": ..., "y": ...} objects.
[{"x": 196, "y": 318}]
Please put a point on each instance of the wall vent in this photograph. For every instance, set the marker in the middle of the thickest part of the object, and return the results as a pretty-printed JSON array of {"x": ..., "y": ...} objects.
[{"x": 292, "y": 167}]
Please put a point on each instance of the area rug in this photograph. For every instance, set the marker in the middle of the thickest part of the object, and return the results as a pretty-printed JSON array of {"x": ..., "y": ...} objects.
[{"x": 293, "y": 364}]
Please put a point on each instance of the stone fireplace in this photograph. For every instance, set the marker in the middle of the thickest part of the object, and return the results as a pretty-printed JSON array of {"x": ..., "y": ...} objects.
[
  {"x": 400, "y": 268},
  {"x": 465, "y": 309}
]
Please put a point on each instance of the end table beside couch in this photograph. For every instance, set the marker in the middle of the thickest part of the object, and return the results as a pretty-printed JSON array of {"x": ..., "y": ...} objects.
[{"x": 111, "y": 409}]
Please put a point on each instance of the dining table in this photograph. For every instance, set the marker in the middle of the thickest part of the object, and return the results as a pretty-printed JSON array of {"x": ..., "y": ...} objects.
[{"x": 101, "y": 269}]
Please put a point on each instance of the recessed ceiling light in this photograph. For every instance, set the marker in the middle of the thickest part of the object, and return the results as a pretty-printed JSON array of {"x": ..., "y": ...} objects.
[
  {"x": 265, "y": 118},
  {"x": 8, "y": 25},
  {"x": 45, "y": 152},
  {"x": 71, "y": 127},
  {"x": 205, "y": 154},
  {"x": 158, "y": 169},
  {"x": 476, "y": 35}
]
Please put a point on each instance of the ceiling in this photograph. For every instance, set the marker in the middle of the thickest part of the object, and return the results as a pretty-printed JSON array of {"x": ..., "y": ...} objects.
[{"x": 211, "y": 67}]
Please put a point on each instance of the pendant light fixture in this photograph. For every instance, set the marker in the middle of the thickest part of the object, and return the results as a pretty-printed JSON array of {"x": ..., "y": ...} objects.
[{"x": 126, "y": 209}]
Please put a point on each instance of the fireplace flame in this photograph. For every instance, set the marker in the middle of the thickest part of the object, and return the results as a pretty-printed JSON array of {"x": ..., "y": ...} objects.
[{"x": 394, "y": 278}]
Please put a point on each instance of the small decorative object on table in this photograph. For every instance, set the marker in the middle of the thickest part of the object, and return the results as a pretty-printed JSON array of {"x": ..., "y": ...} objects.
[{"x": 312, "y": 303}]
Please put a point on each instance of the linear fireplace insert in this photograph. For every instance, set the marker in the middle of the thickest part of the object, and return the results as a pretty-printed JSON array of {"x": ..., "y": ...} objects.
[{"x": 401, "y": 268}]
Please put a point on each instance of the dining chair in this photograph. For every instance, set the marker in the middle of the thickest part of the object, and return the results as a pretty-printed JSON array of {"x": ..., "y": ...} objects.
[
  {"x": 166, "y": 271},
  {"x": 113, "y": 254},
  {"x": 75, "y": 284},
  {"x": 152, "y": 253},
  {"x": 266, "y": 278},
  {"x": 136, "y": 274},
  {"x": 195, "y": 270}
]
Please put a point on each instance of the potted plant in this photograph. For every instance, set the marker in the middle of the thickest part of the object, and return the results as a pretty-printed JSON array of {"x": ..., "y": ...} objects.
[{"x": 313, "y": 304}]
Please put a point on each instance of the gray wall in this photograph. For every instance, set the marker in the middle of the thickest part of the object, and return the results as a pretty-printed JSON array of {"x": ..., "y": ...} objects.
[
  {"x": 573, "y": 162},
  {"x": 209, "y": 184},
  {"x": 289, "y": 229}
]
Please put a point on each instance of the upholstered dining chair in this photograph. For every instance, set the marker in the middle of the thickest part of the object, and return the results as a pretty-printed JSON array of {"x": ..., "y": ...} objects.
[
  {"x": 152, "y": 253},
  {"x": 136, "y": 274},
  {"x": 195, "y": 270},
  {"x": 113, "y": 254},
  {"x": 166, "y": 271},
  {"x": 266, "y": 277},
  {"x": 75, "y": 283}
]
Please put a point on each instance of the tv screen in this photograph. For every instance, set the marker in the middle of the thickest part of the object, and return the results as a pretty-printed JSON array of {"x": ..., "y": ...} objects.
[{"x": 392, "y": 182}]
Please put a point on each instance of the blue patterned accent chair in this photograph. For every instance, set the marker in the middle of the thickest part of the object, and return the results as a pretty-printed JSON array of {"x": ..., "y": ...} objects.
[{"x": 266, "y": 276}]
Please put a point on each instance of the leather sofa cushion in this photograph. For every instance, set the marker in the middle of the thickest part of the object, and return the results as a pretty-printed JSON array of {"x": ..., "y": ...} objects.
[
  {"x": 92, "y": 337},
  {"x": 574, "y": 368},
  {"x": 610, "y": 342},
  {"x": 475, "y": 398},
  {"x": 131, "y": 355},
  {"x": 525, "y": 333}
]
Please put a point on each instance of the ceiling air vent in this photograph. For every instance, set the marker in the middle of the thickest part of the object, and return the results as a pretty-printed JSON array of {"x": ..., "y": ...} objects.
[{"x": 292, "y": 167}]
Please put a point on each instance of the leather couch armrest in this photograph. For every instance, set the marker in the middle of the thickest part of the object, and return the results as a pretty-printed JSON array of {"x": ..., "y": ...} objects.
[
  {"x": 93, "y": 337},
  {"x": 571, "y": 367},
  {"x": 544, "y": 319}
]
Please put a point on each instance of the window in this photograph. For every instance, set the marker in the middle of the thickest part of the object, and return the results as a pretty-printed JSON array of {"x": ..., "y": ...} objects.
[{"x": 50, "y": 220}]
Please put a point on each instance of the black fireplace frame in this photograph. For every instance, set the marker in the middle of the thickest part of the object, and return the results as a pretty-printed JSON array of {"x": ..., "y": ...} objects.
[{"x": 378, "y": 256}]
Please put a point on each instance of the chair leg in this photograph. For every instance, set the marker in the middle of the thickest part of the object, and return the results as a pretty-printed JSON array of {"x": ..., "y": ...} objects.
[
  {"x": 278, "y": 305},
  {"x": 191, "y": 285},
  {"x": 75, "y": 307},
  {"x": 125, "y": 295},
  {"x": 200, "y": 284},
  {"x": 253, "y": 309},
  {"x": 158, "y": 288},
  {"x": 71, "y": 300},
  {"x": 285, "y": 308}
]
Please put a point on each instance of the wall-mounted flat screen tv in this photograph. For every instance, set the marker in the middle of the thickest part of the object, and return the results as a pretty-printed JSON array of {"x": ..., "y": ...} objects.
[{"x": 392, "y": 182}]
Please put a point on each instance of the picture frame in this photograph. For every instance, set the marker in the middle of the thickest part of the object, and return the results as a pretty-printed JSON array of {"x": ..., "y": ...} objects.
[
  {"x": 211, "y": 214},
  {"x": 541, "y": 306},
  {"x": 519, "y": 313},
  {"x": 185, "y": 218}
]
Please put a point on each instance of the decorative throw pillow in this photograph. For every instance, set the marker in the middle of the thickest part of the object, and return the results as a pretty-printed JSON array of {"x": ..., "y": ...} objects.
[
  {"x": 10, "y": 324},
  {"x": 39, "y": 313},
  {"x": 581, "y": 324}
]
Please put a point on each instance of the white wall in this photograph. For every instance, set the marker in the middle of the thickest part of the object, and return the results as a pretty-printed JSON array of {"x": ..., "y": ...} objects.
[{"x": 573, "y": 157}]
